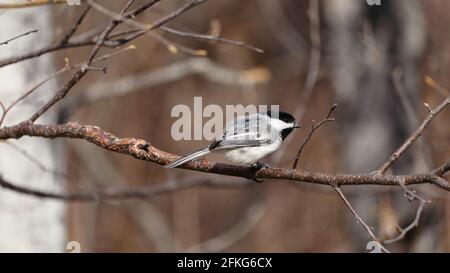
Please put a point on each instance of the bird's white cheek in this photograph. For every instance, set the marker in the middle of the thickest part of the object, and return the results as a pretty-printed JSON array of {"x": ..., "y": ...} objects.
[{"x": 251, "y": 155}]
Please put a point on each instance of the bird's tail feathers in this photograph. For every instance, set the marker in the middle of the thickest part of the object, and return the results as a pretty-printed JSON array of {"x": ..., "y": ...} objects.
[{"x": 187, "y": 158}]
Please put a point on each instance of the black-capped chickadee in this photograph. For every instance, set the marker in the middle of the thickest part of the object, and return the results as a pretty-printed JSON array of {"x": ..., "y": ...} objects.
[{"x": 247, "y": 139}]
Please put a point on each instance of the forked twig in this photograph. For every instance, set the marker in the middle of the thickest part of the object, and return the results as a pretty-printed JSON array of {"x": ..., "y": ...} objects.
[
  {"x": 314, "y": 127},
  {"x": 411, "y": 195}
]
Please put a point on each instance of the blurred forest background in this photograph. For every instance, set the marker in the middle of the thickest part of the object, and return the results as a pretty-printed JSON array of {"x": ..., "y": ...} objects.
[{"x": 372, "y": 60}]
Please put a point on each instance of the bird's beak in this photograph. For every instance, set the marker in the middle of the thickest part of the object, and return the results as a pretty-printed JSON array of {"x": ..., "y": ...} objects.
[{"x": 296, "y": 125}]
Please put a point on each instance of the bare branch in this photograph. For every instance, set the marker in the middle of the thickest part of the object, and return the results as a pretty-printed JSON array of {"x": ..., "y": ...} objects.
[
  {"x": 214, "y": 38},
  {"x": 163, "y": 20},
  {"x": 422, "y": 155},
  {"x": 34, "y": 160},
  {"x": 143, "y": 150},
  {"x": 358, "y": 218},
  {"x": 75, "y": 26},
  {"x": 119, "y": 193},
  {"x": 314, "y": 127},
  {"x": 443, "y": 91},
  {"x": 411, "y": 197},
  {"x": 433, "y": 113},
  {"x": 18, "y": 36},
  {"x": 90, "y": 39},
  {"x": 29, "y": 92},
  {"x": 31, "y": 4},
  {"x": 46, "y": 50},
  {"x": 171, "y": 46},
  {"x": 66, "y": 68},
  {"x": 64, "y": 90}
]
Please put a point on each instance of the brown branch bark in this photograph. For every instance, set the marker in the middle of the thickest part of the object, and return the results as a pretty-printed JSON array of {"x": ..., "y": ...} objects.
[{"x": 143, "y": 150}]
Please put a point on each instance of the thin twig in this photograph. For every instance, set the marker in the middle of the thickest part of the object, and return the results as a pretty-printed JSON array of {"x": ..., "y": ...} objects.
[
  {"x": 171, "y": 46},
  {"x": 18, "y": 36},
  {"x": 314, "y": 127},
  {"x": 35, "y": 161},
  {"x": 411, "y": 195},
  {"x": 174, "y": 48},
  {"x": 66, "y": 68},
  {"x": 215, "y": 38},
  {"x": 443, "y": 91},
  {"x": 48, "y": 49},
  {"x": 64, "y": 90},
  {"x": 359, "y": 219},
  {"x": 29, "y": 92},
  {"x": 119, "y": 193},
  {"x": 158, "y": 23},
  {"x": 31, "y": 4},
  {"x": 432, "y": 114},
  {"x": 423, "y": 154},
  {"x": 92, "y": 39},
  {"x": 75, "y": 26}
]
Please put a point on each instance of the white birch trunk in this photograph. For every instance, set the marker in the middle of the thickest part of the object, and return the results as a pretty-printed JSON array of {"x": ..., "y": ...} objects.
[{"x": 29, "y": 224}]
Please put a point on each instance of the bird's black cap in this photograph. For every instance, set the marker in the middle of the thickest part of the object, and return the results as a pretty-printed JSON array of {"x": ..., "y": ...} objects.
[{"x": 286, "y": 117}]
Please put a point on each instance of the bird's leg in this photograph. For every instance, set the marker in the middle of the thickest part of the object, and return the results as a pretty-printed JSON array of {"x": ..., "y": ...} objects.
[{"x": 256, "y": 167}]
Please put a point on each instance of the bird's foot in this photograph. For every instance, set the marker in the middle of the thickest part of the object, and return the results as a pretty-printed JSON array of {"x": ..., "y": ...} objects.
[{"x": 256, "y": 167}]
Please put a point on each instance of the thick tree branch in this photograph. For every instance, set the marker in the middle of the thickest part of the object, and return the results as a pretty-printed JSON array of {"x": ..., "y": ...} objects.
[{"x": 143, "y": 150}]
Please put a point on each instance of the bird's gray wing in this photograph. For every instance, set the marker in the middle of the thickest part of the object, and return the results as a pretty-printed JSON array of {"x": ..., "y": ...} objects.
[{"x": 245, "y": 131}]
